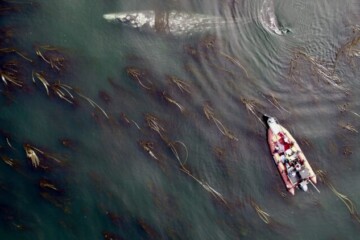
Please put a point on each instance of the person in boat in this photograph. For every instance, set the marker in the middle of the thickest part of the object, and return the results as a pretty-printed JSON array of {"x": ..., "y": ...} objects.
[
  {"x": 284, "y": 140},
  {"x": 282, "y": 143},
  {"x": 290, "y": 155}
]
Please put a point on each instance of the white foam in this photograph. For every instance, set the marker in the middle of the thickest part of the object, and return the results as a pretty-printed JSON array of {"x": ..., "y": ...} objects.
[{"x": 268, "y": 18}]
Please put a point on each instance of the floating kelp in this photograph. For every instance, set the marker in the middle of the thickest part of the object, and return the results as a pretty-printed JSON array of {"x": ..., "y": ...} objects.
[
  {"x": 168, "y": 98},
  {"x": 140, "y": 76},
  {"x": 50, "y": 191},
  {"x": 235, "y": 61},
  {"x": 210, "y": 115},
  {"x": 42, "y": 79},
  {"x": 205, "y": 185},
  {"x": 148, "y": 147},
  {"x": 10, "y": 162},
  {"x": 65, "y": 91},
  {"x": 351, "y": 48},
  {"x": 54, "y": 194},
  {"x": 303, "y": 60},
  {"x": 59, "y": 89},
  {"x": 211, "y": 45},
  {"x": 155, "y": 124},
  {"x": 346, "y": 200},
  {"x": 345, "y": 108},
  {"x": 183, "y": 168},
  {"x": 93, "y": 104},
  {"x": 52, "y": 56},
  {"x": 264, "y": 216},
  {"x": 180, "y": 84},
  {"x": 274, "y": 101},
  {"x": 272, "y": 224},
  {"x": 208, "y": 48},
  {"x": 8, "y": 139},
  {"x": 349, "y": 127},
  {"x": 10, "y": 74},
  {"x": 32, "y": 153},
  {"x": 14, "y": 50},
  {"x": 45, "y": 184},
  {"x": 125, "y": 120},
  {"x": 251, "y": 106},
  {"x": 172, "y": 146},
  {"x": 8, "y": 142}
]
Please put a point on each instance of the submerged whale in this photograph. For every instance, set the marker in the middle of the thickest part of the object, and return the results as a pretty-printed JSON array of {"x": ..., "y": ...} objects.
[{"x": 173, "y": 22}]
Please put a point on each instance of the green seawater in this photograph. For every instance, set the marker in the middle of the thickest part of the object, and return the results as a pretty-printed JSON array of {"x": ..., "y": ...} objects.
[{"x": 108, "y": 187}]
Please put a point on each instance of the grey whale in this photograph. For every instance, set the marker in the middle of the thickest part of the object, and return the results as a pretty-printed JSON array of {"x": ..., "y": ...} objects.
[{"x": 172, "y": 22}]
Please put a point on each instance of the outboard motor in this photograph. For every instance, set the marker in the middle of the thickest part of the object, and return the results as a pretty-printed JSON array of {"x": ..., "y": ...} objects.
[{"x": 303, "y": 186}]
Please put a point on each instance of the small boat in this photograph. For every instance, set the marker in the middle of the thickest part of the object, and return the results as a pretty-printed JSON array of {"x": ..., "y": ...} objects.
[{"x": 291, "y": 162}]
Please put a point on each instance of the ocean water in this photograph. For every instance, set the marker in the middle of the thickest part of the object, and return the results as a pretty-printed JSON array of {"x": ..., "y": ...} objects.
[{"x": 106, "y": 173}]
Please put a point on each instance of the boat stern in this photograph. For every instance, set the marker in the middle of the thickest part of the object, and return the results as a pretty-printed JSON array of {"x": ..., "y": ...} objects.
[{"x": 313, "y": 179}]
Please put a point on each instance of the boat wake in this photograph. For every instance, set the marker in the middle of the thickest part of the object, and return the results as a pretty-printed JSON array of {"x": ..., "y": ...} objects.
[
  {"x": 170, "y": 22},
  {"x": 268, "y": 18}
]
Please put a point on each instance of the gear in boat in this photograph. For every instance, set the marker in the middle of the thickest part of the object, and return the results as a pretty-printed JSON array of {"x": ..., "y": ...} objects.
[{"x": 291, "y": 162}]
